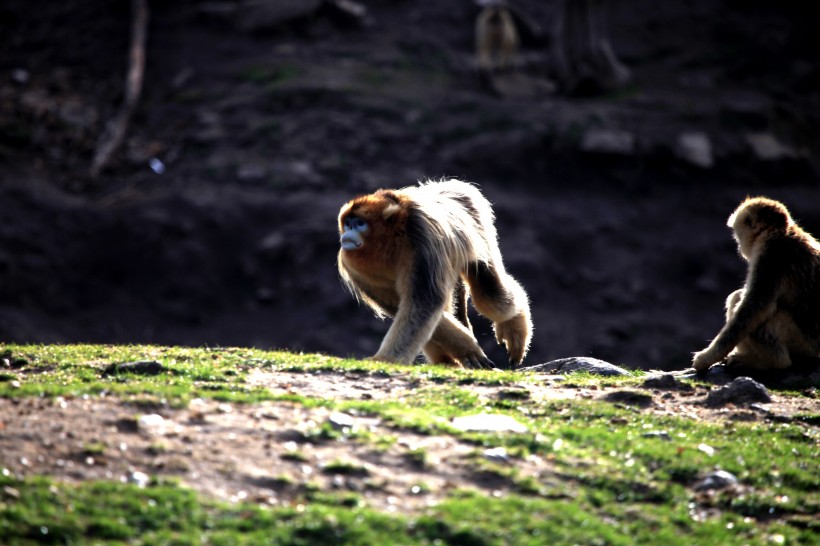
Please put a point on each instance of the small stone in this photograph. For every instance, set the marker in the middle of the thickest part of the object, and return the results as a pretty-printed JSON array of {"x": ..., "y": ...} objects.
[
  {"x": 497, "y": 454},
  {"x": 20, "y": 75},
  {"x": 156, "y": 165},
  {"x": 140, "y": 479},
  {"x": 767, "y": 147},
  {"x": 488, "y": 422},
  {"x": 608, "y": 141},
  {"x": 660, "y": 434},
  {"x": 341, "y": 421},
  {"x": 720, "y": 479},
  {"x": 251, "y": 172},
  {"x": 11, "y": 492},
  {"x": 695, "y": 148},
  {"x": 151, "y": 423},
  {"x": 630, "y": 398},
  {"x": 741, "y": 391},
  {"x": 577, "y": 364},
  {"x": 665, "y": 381},
  {"x": 141, "y": 367}
]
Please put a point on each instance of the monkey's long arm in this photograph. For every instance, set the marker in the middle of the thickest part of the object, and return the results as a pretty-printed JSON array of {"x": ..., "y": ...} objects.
[
  {"x": 758, "y": 305},
  {"x": 422, "y": 299}
]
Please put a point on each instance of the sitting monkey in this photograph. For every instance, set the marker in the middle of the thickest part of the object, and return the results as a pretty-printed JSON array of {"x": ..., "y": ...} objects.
[
  {"x": 496, "y": 37},
  {"x": 408, "y": 254},
  {"x": 776, "y": 315}
]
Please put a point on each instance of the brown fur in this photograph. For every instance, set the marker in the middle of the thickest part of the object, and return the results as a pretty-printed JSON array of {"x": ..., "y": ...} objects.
[
  {"x": 775, "y": 317},
  {"x": 496, "y": 38},
  {"x": 424, "y": 246}
]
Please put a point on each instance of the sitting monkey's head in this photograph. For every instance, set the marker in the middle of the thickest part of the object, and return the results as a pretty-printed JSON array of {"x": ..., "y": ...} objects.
[{"x": 757, "y": 219}]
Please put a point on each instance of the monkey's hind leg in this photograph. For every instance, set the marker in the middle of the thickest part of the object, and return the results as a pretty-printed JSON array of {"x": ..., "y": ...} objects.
[
  {"x": 762, "y": 350},
  {"x": 500, "y": 298},
  {"x": 766, "y": 347}
]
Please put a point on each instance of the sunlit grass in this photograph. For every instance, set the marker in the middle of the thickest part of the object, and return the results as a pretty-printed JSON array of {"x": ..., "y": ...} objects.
[{"x": 621, "y": 475}]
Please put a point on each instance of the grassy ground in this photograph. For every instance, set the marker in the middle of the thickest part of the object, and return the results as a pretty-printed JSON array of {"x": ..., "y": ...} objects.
[{"x": 587, "y": 471}]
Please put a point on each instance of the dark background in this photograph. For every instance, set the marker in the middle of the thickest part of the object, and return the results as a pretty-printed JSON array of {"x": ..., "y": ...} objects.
[{"x": 264, "y": 133}]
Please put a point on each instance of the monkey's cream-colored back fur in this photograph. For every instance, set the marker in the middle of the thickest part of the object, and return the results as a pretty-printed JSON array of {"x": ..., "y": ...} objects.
[{"x": 465, "y": 238}]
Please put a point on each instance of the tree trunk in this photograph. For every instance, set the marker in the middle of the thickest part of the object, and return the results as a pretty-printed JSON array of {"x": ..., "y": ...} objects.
[
  {"x": 115, "y": 129},
  {"x": 582, "y": 58}
]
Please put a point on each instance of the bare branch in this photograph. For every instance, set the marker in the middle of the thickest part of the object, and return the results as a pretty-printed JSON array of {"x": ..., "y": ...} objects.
[{"x": 116, "y": 128}]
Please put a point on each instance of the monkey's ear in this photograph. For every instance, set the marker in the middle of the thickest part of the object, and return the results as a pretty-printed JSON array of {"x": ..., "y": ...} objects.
[
  {"x": 390, "y": 210},
  {"x": 774, "y": 217}
]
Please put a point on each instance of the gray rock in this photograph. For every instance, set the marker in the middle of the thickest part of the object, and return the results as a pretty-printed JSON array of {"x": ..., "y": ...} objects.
[
  {"x": 630, "y": 398},
  {"x": 767, "y": 147},
  {"x": 741, "y": 391},
  {"x": 341, "y": 421},
  {"x": 660, "y": 434},
  {"x": 142, "y": 367},
  {"x": 720, "y": 479},
  {"x": 609, "y": 141},
  {"x": 577, "y": 364},
  {"x": 665, "y": 381},
  {"x": 695, "y": 148}
]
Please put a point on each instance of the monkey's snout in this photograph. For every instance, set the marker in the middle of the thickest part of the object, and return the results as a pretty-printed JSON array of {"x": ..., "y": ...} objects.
[{"x": 350, "y": 241}]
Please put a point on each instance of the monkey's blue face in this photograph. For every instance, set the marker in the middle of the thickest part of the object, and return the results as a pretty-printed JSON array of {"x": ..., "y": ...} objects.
[{"x": 353, "y": 235}]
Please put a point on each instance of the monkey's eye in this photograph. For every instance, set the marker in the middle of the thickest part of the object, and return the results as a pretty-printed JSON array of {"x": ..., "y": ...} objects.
[{"x": 354, "y": 223}]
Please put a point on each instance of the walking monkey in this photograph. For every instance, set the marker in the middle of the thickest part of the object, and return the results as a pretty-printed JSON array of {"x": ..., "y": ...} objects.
[{"x": 413, "y": 254}]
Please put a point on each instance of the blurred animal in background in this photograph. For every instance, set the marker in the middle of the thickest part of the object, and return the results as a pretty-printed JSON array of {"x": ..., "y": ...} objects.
[
  {"x": 496, "y": 37},
  {"x": 413, "y": 253},
  {"x": 775, "y": 317}
]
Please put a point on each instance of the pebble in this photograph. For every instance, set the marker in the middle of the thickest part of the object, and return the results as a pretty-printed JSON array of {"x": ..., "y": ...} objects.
[
  {"x": 719, "y": 479},
  {"x": 151, "y": 423},
  {"x": 341, "y": 421},
  {"x": 695, "y": 148},
  {"x": 141, "y": 479},
  {"x": 660, "y": 434},
  {"x": 630, "y": 398},
  {"x": 611, "y": 141},
  {"x": 488, "y": 422},
  {"x": 497, "y": 454},
  {"x": 665, "y": 381}
]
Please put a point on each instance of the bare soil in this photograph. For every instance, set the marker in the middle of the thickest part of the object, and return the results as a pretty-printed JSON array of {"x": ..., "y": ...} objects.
[{"x": 271, "y": 453}]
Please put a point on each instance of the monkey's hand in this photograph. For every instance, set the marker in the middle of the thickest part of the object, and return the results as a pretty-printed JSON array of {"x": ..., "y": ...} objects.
[
  {"x": 514, "y": 334},
  {"x": 703, "y": 359}
]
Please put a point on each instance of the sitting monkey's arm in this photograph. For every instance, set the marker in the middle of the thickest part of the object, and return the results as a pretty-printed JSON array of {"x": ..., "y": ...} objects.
[{"x": 758, "y": 304}]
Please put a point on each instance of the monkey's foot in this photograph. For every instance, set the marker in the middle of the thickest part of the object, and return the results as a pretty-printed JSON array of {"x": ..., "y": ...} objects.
[
  {"x": 514, "y": 334},
  {"x": 477, "y": 361}
]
